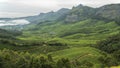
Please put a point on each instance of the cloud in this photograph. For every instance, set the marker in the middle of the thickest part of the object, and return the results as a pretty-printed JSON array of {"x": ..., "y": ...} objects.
[{"x": 18, "y": 8}]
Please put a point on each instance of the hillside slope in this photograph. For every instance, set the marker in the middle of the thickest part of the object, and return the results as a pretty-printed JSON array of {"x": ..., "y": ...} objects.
[{"x": 80, "y": 22}]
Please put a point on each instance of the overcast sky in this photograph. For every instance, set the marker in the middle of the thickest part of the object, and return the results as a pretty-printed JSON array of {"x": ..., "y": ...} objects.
[{"x": 20, "y": 8}]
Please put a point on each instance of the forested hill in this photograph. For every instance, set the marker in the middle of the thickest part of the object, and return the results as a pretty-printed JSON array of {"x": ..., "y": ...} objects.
[{"x": 5, "y": 34}]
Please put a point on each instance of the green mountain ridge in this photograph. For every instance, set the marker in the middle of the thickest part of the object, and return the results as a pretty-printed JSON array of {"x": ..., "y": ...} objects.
[{"x": 90, "y": 27}]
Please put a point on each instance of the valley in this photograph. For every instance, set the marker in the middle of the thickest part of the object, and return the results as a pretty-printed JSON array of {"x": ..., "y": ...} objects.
[{"x": 81, "y": 37}]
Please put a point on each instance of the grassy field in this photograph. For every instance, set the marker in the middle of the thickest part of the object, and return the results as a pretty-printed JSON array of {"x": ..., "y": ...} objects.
[
  {"x": 80, "y": 54},
  {"x": 115, "y": 67}
]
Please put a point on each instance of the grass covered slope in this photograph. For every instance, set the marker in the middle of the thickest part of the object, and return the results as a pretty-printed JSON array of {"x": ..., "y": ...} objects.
[
  {"x": 81, "y": 33},
  {"x": 13, "y": 59},
  {"x": 81, "y": 22},
  {"x": 79, "y": 30},
  {"x": 81, "y": 54},
  {"x": 77, "y": 53}
]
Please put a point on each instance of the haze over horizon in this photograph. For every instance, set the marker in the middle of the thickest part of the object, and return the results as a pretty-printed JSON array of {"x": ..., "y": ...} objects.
[{"x": 21, "y": 8}]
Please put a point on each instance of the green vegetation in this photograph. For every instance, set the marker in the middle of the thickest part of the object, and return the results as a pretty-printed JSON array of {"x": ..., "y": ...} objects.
[
  {"x": 111, "y": 46},
  {"x": 82, "y": 37},
  {"x": 27, "y": 60},
  {"x": 81, "y": 54}
]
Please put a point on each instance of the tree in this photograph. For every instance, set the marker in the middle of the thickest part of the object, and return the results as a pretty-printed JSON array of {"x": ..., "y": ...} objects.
[
  {"x": 63, "y": 63},
  {"x": 50, "y": 58}
]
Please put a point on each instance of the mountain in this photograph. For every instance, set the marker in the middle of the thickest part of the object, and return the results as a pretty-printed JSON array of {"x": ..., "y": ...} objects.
[
  {"x": 50, "y": 16},
  {"x": 18, "y": 23},
  {"x": 79, "y": 13},
  {"x": 81, "y": 22},
  {"x": 109, "y": 12}
]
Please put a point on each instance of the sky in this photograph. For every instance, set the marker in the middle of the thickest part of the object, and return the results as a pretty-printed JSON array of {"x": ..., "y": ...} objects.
[{"x": 21, "y": 8}]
